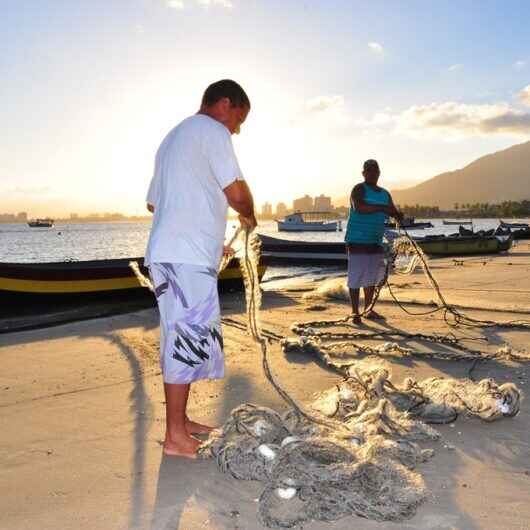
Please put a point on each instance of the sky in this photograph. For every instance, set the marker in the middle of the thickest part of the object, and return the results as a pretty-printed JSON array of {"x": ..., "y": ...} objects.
[{"x": 89, "y": 88}]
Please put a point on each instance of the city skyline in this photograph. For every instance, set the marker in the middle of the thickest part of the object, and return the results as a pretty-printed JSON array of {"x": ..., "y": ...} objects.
[{"x": 93, "y": 87}]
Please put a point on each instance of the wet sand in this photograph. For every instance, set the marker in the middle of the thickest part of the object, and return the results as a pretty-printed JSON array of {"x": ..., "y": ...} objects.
[{"x": 82, "y": 414}]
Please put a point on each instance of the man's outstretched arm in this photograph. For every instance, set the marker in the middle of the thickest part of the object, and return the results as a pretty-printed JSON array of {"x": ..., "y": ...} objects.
[{"x": 240, "y": 199}]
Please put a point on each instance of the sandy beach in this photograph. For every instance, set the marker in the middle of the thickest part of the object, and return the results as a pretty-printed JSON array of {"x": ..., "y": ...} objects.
[{"x": 83, "y": 413}]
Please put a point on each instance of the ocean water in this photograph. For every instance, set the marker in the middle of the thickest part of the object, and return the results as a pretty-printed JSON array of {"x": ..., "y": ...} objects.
[{"x": 89, "y": 241}]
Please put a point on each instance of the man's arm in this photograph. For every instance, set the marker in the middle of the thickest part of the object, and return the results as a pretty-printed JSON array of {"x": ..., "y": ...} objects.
[
  {"x": 393, "y": 211},
  {"x": 240, "y": 199},
  {"x": 150, "y": 207},
  {"x": 357, "y": 200}
]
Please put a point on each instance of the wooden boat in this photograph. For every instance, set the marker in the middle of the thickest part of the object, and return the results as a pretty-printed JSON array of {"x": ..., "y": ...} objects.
[
  {"x": 463, "y": 245},
  {"x": 411, "y": 224},
  {"x": 308, "y": 222},
  {"x": 34, "y": 282},
  {"x": 457, "y": 222},
  {"x": 281, "y": 251},
  {"x": 41, "y": 223},
  {"x": 514, "y": 225}
]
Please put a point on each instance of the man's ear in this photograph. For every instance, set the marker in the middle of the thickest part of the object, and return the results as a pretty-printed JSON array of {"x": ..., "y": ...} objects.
[{"x": 225, "y": 104}]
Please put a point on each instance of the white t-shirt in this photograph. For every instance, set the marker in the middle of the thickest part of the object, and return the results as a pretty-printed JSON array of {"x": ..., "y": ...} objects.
[{"x": 193, "y": 165}]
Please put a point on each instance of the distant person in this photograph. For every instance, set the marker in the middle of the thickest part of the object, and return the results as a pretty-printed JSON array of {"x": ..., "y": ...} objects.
[
  {"x": 370, "y": 206},
  {"x": 196, "y": 177}
]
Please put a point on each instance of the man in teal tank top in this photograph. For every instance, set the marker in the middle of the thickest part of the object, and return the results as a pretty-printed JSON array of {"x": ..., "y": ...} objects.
[{"x": 370, "y": 207}]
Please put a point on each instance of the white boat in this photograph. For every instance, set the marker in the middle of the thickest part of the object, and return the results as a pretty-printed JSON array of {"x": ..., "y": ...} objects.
[{"x": 308, "y": 222}]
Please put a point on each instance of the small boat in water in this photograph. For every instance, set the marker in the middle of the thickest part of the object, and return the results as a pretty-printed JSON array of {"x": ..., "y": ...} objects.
[
  {"x": 41, "y": 223},
  {"x": 411, "y": 224},
  {"x": 36, "y": 282},
  {"x": 470, "y": 222},
  {"x": 309, "y": 222}
]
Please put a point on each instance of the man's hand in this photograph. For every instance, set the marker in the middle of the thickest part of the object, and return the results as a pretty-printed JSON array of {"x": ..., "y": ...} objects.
[
  {"x": 248, "y": 223},
  {"x": 228, "y": 251},
  {"x": 393, "y": 212}
]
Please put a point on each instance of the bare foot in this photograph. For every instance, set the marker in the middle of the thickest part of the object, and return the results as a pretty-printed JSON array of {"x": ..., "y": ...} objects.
[
  {"x": 372, "y": 315},
  {"x": 356, "y": 319},
  {"x": 197, "y": 428},
  {"x": 181, "y": 445}
]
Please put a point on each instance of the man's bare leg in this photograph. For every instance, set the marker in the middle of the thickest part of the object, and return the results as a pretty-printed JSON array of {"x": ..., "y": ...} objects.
[
  {"x": 354, "y": 297},
  {"x": 368, "y": 297},
  {"x": 178, "y": 441}
]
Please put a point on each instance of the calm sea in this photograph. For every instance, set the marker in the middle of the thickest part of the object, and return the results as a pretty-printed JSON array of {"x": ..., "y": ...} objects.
[{"x": 77, "y": 242}]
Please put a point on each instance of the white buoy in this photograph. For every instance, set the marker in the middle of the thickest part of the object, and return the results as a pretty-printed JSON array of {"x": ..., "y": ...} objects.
[
  {"x": 267, "y": 452},
  {"x": 286, "y": 493},
  {"x": 260, "y": 427},
  {"x": 290, "y": 440}
]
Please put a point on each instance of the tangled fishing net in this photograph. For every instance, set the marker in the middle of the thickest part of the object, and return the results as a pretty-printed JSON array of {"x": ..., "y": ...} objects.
[{"x": 355, "y": 450}]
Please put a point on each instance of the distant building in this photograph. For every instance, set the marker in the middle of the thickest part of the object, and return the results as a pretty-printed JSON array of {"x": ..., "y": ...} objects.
[
  {"x": 74, "y": 216},
  {"x": 303, "y": 204},
  {"x": 281, "y": 209},
  {"x": 7, "y": 218},
  {"x": 323, "y": 203},
  {"x": 266, "y": 210},
  {"x": 22, "y": 217}
]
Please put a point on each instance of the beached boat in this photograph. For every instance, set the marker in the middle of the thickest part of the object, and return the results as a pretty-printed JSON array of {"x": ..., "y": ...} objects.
[
  {"x": 514, "y": 225},
  {"x": 41, "y": 223},
  {"x": 470, "y": 222},
  {"x": 281, "y": 251},
  {"x": 463, "y": 245},
  {"x": 309, "y": 222},
  {"x": 410, "y": 223},
  {"x": 23, "y": 282}
]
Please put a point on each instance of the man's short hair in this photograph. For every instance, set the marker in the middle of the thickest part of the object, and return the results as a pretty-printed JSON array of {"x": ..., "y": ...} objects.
[{"x": 226, "y": 88}]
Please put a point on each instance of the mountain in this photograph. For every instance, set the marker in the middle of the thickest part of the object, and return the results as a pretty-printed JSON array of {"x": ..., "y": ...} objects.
[{"x": 500, "y": 176}]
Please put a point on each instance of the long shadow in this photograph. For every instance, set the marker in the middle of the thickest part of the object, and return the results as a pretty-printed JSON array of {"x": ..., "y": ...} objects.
[{"x": 142, "y": 409}]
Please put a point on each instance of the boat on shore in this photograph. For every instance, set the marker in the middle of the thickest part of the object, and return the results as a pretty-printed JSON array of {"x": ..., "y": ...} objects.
[
  {"x": 281, "y": 251},
  {"x": 309, "y": 222},
  {"x": 514, "y": 225},
  {"x": 464, "y": 245},
  {"x": 26, "y": 283},
  {"x": 465, "y": 222},
  {"x": 41, "y": 223}
]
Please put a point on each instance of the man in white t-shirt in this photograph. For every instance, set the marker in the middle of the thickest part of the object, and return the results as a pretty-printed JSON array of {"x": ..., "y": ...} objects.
[{"x": 196, "y": 178}]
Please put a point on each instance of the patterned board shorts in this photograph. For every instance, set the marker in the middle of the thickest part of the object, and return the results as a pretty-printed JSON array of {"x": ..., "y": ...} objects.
[
  {"x": 191, "y": 341},
  {"x": 365, "y": 270}
]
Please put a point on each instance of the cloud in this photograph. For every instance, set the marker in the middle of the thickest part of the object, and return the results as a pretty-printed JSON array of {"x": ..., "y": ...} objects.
[
  {"x": 376, "y": 48},
  {"x": 519, "y": 65},
  {"x": 324, "y": 103},
  {"x": 220, "y": 3},
  {"x": 453, "y": 120},
  {"x": 175, "y": 4},
  {"x": 455, "y": 67},
  {"x": 524, "y": 96},
  {"x": 181, "y": 4}
]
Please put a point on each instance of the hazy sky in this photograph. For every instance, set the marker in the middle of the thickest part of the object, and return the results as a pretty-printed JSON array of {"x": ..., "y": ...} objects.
[{"x": 89, "y": 88}]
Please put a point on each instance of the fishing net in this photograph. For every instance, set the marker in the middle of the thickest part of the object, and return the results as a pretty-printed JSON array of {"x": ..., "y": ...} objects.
[
  {"x": 434, "y": 400},
  {"x": 355, "y": 450}
]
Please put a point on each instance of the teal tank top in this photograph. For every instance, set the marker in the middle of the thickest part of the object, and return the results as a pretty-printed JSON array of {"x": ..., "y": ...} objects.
[{"x": 368, "y": 228}]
